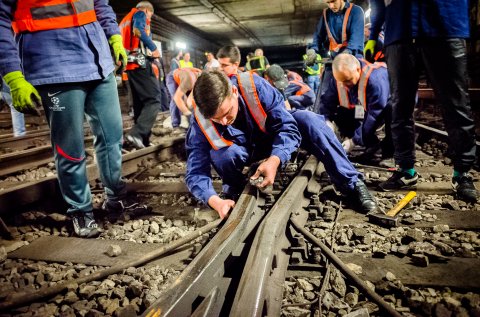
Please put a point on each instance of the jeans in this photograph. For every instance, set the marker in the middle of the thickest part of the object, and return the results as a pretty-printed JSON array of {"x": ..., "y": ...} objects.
[
  {"x": 18, "y": 118},
  {"x": 174, "y": 111},
  {"x": 445, "y": 61},
  {"x": 313, "y": 81},
  {"x": 65, "y": 106}
]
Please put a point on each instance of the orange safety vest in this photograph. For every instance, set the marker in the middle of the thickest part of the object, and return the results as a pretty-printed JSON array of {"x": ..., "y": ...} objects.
[
  {"x": 303, "y": 87},
  {"x": 41, "y": 15},
  {"x": 193, "y": 72},
  {"x": 130, "y": 41},
  {"x": 362, "y": 86},
  {"x": 250, "y": 96},
  {"x": 334, "y": 46},
  {"x": 294, "y": 76}
]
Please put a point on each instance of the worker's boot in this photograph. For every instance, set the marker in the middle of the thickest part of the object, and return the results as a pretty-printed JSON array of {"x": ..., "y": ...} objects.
[{"x": 362, "y": 197}]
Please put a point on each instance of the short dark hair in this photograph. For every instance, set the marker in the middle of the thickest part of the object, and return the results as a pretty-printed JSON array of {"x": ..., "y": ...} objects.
[
  {"x": 211, "y": 89},
  {"x": 231, "y": 52}
]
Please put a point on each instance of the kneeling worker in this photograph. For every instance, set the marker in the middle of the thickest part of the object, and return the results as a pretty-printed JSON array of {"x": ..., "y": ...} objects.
[
  {"x": 244, "y": 120},
  {"x": 298, "y": 94},
  {"x": 362, "y": 90}
]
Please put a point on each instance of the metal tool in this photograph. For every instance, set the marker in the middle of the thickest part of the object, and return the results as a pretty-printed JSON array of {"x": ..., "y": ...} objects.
[{"x": 390, "y": 218}]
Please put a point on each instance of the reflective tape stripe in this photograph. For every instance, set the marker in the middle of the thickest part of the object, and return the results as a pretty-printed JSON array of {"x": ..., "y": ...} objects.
[
  {"x": 363, "y": 82},
  {"x": 60, "y": 10},
  {"x": 334, "y": 46},
  {"x": 249, "y": 94},
  {"x": 209, "y": 130},
  {"x": 343, "y": 96}
]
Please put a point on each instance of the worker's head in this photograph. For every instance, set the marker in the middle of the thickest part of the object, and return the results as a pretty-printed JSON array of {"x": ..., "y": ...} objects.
[
  {"x": 229, "y": 59},
  {"x": 366, "y": 30},
  {"x": 346, "y": 69},
  {"x": 186, "y": 57},
  {"x": 209, "y": 56},
  {"x": 179, "y": 53},
  {"x": 146, "y": 7},
  {"x": 216, "y": 98},
  {"x": 276, "y": 76},
  {"x": 335, "y": 5},
  {"x": 250, "y": 55},
  {"x": 258, "y": 52}
]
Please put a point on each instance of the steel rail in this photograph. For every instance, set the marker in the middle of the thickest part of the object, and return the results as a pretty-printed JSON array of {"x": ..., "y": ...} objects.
[{"x": 254, "y": 296}]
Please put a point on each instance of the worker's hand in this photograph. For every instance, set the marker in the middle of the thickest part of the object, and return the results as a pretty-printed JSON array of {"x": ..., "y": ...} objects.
[
  {"x": 330, "y": 125},
  {"x": 267, "y": 169},
  {"x": 348, "y": 145},
  {"x": 369, "y": 49},
  {"x": 222, "y": 206},
  {"x": 24, "y": 96},
  {"x": 119, "y": 52}
]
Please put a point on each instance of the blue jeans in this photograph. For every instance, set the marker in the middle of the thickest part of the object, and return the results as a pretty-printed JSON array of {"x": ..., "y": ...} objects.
[
  {"x": 174, "y": 111},
  {"x": 313, "y": 81},
  {"x": 65, "y": 106},
  {"x": 18, "y": 118}
]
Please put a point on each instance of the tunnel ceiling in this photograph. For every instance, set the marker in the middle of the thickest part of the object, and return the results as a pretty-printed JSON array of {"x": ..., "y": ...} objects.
[{"x": 245, "y": 23}]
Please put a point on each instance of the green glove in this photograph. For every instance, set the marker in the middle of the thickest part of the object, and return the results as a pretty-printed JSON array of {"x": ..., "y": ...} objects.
[
  {"x": 116, "y": 42},
  {"x": 25, "y": 97},
  {"x": 369, "y": 48}
]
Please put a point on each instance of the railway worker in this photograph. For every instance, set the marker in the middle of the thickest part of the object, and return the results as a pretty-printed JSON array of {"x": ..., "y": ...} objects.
[
  {"x": 298, "y": 94},
  {"x": 229, "y": 58},
  {"x": 341, "y": 26},
  {"x": 291, "y": 75},
  {"x": 435, "y": 38},
  {"x": 244, "y": 120},
  {"x": 212, "y": 63},
  {"x": 185, "y": 61},
  {"x": 258, "y": 62},
  {"x": 175, "y": 61},
  {"x": 376, "y": 54},
  {"x": 313, "y": 68},
  {"x": 357, "y": 100},
  {"x": 145, "y": 88},
  {"x": 65, "y": 64},
  {"x": 179, "y": 83}
]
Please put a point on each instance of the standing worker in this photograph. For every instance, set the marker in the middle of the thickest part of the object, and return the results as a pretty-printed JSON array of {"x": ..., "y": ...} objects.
[
  {"x": 313, "y": 68},
  {"x": 429, "y": 33},
  {"x": 258, "y": 63},
  {"x": 145, "y": 87},
  {"x": 175, "y": 61},
  {"x": 341, "y": 26},
  {"x": 185, "y": 61},
  {"x": 66, "y": 65}
]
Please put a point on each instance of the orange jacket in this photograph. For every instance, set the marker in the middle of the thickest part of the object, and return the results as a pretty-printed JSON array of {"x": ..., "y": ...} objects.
[
  {"x": 130, "y": 41},
  {"x": 40, "y": 15}
]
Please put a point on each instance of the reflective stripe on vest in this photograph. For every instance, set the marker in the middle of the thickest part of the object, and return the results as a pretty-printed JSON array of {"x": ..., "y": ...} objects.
[
  {"x": 303, "y": 87},
  {"x": 41, "y": 15},
  {"x": 334, "y": 46},
  {"x": 250, "y": 96},
  {"x": 362, "y": 86},
  {"x": 209, "y": 130}
]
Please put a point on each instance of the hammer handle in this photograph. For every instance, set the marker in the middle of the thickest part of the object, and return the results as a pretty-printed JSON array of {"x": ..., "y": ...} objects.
[{"x": 402, "y": 203}]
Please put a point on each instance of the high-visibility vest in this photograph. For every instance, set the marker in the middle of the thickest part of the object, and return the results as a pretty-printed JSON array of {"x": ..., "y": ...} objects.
[
  {"x": 41, "y": 15},
  {"x": 259, "y": 61},
  {"x": 309, "y": 69},
  {"x": 131, "y": 42},
  {"x": 192, "y": 72},
  {"x": 362, "y": 86},
  {"x": 294, "y": 76},
  {"x": 250, "y": 96},
  {"x": 184, "y": 64},
  {"x": 334, "y": 46},
  {"x": 304, "y": 88}
]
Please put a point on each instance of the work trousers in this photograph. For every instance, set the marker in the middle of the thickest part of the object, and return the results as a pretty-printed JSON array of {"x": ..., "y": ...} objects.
[
  {"x": 445, "y": 62},
  {"x": 302, "y": 102},
  {"x": 146, "y": 96},
  {"x": 313, "y": 81},
  {"x": 65, "y": 106},
  {"x": 175, "y": 113},
  {"x": 317, "y": 138},
  {"x": 325, "y": 81}
]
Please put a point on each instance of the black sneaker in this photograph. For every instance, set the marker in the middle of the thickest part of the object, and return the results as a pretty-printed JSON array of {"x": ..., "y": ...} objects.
[
  {"x": 399, "y": 180},
  {"x": 134, "y": 141},
  {"x": 117, "y": 208},
  {"x": 84, "y": 225},
  {"x": 363, "y": 198},
  {"x": 465, "y": 189}
]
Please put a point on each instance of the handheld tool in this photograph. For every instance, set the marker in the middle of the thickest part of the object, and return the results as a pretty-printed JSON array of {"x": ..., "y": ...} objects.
[{"x": 390, "y": 218}]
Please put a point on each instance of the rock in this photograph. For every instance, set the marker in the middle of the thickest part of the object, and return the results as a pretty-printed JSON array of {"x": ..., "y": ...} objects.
[
  {"x": 127, "y": 311},
  {"x": 441, "y": 228},
  {"x": 390, "y": 276},
  {"x": 357, "y": 269},
  {"x": 443, "y": 248},
  {"x": 412, "y": 235},
  {"x": 338, "y": 284},
  {"x": 351, "y": 299},
  {"x": 452, "y": 302},
  {"x": 420, "y": 260},
  {"x": 440, "y": 310},
  {"x": 114, "y": 250},
  {"x": 304, "y": 285},
  {"x": 3, "y": 254}
]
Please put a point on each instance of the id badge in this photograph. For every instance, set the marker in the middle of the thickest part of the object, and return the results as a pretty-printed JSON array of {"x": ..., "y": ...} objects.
[{"x": 359, "y": 112}]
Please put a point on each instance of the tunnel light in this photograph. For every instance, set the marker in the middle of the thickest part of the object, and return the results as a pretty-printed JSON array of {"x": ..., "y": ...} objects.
[
  {"x": 181, "y": 45},
  {"x": 367, "y": 13}
]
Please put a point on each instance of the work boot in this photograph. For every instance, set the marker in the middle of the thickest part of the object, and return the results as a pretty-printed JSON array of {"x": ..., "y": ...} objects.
[
  {"x": 399, "y": 180},
  {"x": 119, "y": 208},
  {"x": 134, "y": 141},
  {"x": 362, "y": 197},
  {"x": 464, "y": 188},
  {"x": 84, "y": 225}
]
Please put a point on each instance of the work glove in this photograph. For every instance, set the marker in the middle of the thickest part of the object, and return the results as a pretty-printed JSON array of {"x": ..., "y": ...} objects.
[
  {"x": 369, "y": 49},
  {"x": 348, "y": 145},
  {"x": 24, "y": 96},
  {"x": 330, "y": 125},
  {"x": 116, "y": 42}
]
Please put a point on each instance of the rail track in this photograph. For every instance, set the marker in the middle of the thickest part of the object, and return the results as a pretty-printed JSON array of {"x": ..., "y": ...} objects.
[{"x": 289, "y": 252}]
